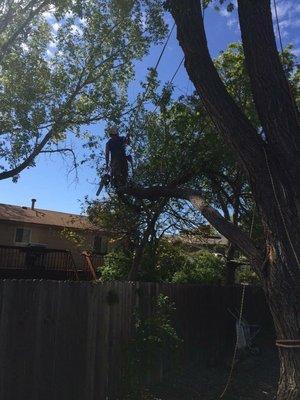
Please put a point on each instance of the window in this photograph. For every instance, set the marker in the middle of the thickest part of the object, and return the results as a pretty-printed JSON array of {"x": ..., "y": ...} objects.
[{"x": 22, "y": 235}]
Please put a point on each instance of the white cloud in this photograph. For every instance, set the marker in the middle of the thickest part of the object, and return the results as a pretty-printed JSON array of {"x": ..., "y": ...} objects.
[
  {"x": 83, "y": 21},
  {"x": 49, "y": 14},
  {"x": 53, "y": 44},
  {"x": 296, "y": 52},
  {"x": 69, "y": 14},
  {"x": 224, "y": 12},
  {"x": 232, "y": 22},
  {"x": 288, "y": 13},
  {"x": 55, "y": 26},
  {"x": 24, "y": 47},
  {"x": 49, "y": 53},
  {"x": 76, "y": 30}
]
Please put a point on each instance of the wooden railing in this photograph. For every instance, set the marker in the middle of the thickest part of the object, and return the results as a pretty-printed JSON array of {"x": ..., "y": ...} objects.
[
  {"x": 36, "y": 260},
  {"x": 33, "y": 261}
]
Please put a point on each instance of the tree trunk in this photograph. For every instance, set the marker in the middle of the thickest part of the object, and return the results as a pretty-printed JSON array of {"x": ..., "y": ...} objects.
[
  {"x": 136, "y": 263},
  {"x": 283, "y": 297},
  {"x": 230, "y": 266}
]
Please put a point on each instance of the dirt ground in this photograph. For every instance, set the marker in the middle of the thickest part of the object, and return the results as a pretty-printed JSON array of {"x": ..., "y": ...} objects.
[{"x": 254, "y": 378}]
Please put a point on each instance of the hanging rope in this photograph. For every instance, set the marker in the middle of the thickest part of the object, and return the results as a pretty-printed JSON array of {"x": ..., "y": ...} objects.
[
  {"x": 236, "y": 344},
  {"x": 278, "y": 25},
  {"x": 176, "y": 72},
  {"x": 155, "y": 68}
]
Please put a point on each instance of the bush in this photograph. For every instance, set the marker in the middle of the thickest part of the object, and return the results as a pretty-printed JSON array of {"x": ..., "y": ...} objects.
[
  {"x": 170, "y": 259},
  {"x": 246, "y": 275},
  {"x": 155, "y": 340},
  {"x": 169, "y": 264},
  {"x": 116, "y": 266},
  {"x": 202, "y": 267}
]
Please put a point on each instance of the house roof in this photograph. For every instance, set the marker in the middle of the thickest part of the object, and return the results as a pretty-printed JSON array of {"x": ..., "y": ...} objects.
[
  {"x": 201, "y": 237},
  {"x": 44, "y": 217}
]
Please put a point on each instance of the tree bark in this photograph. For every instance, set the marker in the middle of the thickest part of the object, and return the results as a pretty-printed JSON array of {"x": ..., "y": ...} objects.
[
  {"x": 272, "y": 96},
  {"x": 283, "y": 295},
  {"x": 230, "y": 266},
  {"x": 136, "y": 263}
]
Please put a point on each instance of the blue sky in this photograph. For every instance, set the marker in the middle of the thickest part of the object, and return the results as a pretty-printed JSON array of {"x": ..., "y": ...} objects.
[{"x": 50, "y": 183}]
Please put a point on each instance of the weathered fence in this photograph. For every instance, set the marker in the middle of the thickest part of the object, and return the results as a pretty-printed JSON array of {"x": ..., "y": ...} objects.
[{"x": 64, "y": 340}]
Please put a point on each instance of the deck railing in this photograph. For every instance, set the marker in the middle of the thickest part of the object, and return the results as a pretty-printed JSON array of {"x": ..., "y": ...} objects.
[
  {"x": 36, "y": 262},
  {"x": 35, "y": 258},
  {"x": 42, "y": 262}
]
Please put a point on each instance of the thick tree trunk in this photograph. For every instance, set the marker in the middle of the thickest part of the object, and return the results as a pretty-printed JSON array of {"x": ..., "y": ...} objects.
[{"x": 283, "y": 296}]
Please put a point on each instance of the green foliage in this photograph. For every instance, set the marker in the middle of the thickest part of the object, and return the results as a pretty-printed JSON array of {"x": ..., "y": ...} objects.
[
  {"x": 155, "y": 340},
  {"x": 76, "y": 238},
  {"x": 71, "y": 69},
  {"x": 170, "y": 259},
  {"x": 116, "y": 267},
  {"x": 245, "y": 274},
  {"x": 169, "y": 264},
  {"x": 203, "y": 267}
]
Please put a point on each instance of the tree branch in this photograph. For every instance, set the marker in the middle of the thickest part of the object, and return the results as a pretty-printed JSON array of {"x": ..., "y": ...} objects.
[
  {"x": 233, "y": 233},
  {"x": 58, "y": 126}
]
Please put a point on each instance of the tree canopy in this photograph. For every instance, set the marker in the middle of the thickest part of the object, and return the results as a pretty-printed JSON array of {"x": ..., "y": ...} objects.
[{"x": 67, "y": 66}]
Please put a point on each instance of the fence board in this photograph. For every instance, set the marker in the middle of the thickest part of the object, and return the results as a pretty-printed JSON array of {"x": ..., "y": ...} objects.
[{"x": 66, "y": 340}]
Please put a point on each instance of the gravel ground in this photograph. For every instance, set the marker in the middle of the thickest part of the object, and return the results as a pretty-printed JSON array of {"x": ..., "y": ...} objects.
[{"x": 254, "y": 378}]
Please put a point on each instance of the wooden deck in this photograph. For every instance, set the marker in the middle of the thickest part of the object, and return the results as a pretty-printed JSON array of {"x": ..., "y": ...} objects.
[{"x": 31, "y": 262}]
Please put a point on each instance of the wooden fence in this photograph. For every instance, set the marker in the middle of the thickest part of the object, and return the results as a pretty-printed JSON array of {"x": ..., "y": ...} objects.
[{"x": 64, "y": 340}]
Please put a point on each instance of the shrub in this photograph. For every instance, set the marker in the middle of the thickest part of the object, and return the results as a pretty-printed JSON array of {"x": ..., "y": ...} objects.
[
  {"x": 246, "y": 275},
  {"x": 155, "y": 340},
  {"x": 202, "y": 267},
  {"x": 116, "y": 266}
]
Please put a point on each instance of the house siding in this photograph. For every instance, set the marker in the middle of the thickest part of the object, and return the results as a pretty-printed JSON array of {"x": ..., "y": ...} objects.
[{"x": 50, "y": 236}]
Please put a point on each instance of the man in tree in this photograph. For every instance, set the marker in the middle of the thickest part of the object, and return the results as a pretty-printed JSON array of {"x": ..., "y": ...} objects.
[{"x": 115, "y": 152}]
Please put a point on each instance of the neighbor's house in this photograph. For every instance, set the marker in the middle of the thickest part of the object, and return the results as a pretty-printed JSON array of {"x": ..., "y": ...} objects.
[
  {"x": 45, "y": 229},
  {"x": 203, "y": 238}
]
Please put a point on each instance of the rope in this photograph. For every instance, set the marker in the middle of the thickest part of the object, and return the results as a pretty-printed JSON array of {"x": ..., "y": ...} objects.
[
  {"x": 278, "y": 26},
  {"x": 236, "y": 344},
  {"x": 252, "y": 222},
  {"x": 280, "y": 209},
  {"x": 164, "y": 47},
  {"x": 178, "y": 68},
  {"x": 157, "y": 64},
  {"x": 288, "y": 343}
]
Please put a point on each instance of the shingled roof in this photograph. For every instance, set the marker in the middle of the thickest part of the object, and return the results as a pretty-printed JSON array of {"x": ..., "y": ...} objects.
[{"x": 44, "y": 217}]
